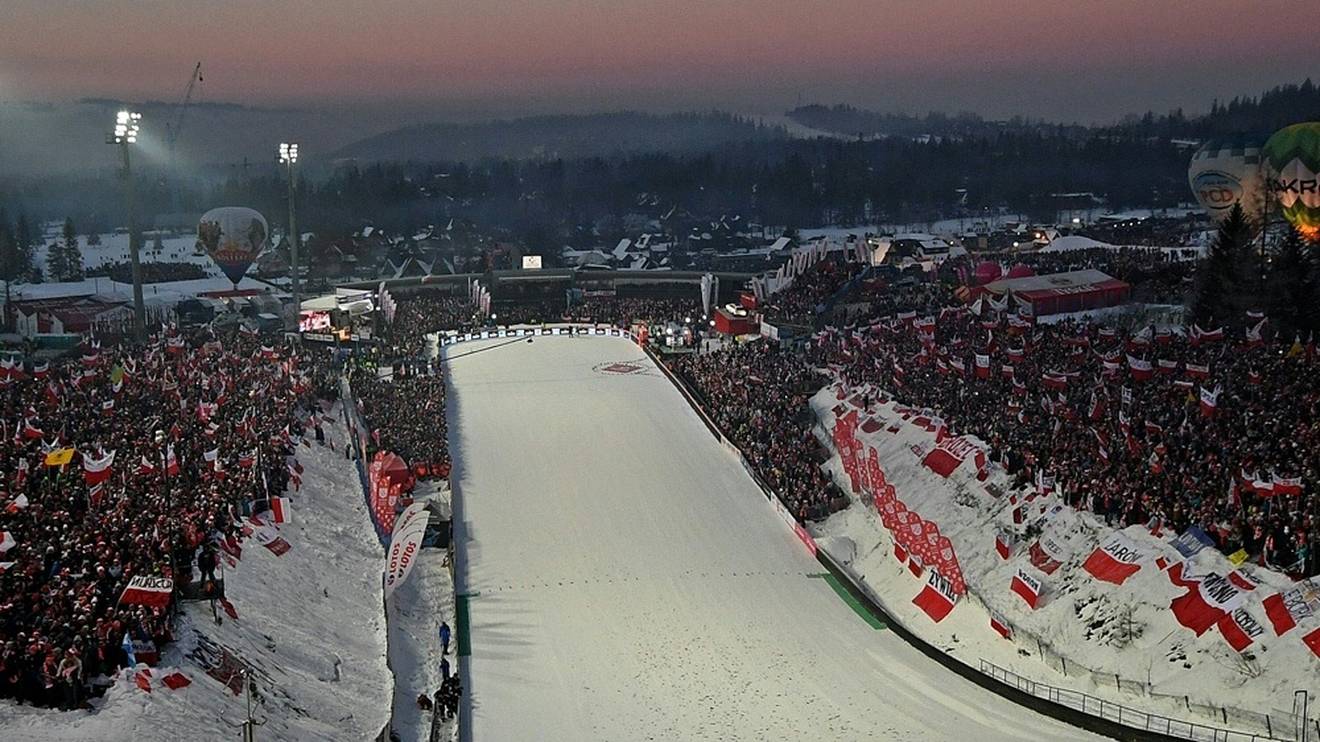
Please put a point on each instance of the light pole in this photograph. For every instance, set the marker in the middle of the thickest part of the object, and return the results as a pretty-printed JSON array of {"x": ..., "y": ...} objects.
[
  {"x": 127, "y": 125},
  {"x": 289, "y": 157}
]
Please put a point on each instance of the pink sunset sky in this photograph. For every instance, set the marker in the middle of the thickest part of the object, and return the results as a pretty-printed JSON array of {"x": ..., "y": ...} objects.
[{"x": 1088, "y": 60}]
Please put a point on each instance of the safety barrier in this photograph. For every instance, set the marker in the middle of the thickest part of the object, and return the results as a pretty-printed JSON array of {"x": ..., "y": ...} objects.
[{"x": 1119, "y": 713}]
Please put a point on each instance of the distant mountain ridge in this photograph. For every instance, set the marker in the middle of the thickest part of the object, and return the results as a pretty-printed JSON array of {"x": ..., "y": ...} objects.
[
  {"x": 1257, "y": 116},
  {"x": 559, "y": 136}
]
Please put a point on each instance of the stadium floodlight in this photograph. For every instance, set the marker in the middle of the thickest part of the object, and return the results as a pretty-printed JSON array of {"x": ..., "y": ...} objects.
[
  {"x": 127, "y": 126},
  {"x": 289, "y": 157}
]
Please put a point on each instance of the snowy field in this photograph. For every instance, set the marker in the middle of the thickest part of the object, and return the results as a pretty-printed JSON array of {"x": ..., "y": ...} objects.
[
  {"x": 628, "y": 581},
  {"x": 309, "y": 623}
]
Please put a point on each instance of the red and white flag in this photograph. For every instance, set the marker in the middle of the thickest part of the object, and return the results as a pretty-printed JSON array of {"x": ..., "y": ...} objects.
[
  {"x": 7, "y": 541},
  {"x": 1115, "y": 561},
  {"x": 1028, "y": 587},
  {"x": 1210, "y": 401},
  {"x": 982, "y": 365},
  {"x": 1001, "y": 625},
  {"x": 1240, "y": 629},
  {"x": 17, "y": 504},
  {"x": 1206, "y": 601},
  {"x": 280, "y": 511},
  {"x": 1141, "y": 369},
  {"x": 145, "y": 590},
  {"x": 145, "y": 466},
  {"x": 1291, "y": 486},
  {"x": 1003, "y": 545},
  {"x": 937, "y": 597},
  {"x": 1286, "y": 609},
  {"x": 97, "y": 470},
  {"x": 1047, "y": 555},
  {"x": 171, "y": 463}
]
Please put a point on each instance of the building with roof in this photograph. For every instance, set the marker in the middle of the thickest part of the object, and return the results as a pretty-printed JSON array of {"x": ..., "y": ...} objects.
[{"x": 1060, "y": 293}]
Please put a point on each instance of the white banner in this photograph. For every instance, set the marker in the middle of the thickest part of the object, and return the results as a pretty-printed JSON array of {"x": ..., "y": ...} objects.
[{"x": 404, "y": 545}]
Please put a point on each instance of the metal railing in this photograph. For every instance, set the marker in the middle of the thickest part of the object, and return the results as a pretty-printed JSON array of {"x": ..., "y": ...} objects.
[{"x": 1125, "y": 715}]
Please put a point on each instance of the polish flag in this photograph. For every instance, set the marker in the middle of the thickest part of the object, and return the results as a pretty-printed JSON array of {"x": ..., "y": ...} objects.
[
  {"x": 96, "y": 471},
  {"x": 1209, "y": 401},
  {"x": 982, "y": 366},
  {"x": 1047, "y": 557},
  {"x": 7, "y": 541},
  {"x": 1027, "y": 587},
  {"x": 1141, "y": 370},
  {"x": 1001, "y": 625},
  {"x": 1285, "y": 609},
  {"x": 1287, "y": 486},
  {"x": 937, "y": 598},
  {"x": 279, "y": 510},
  {"x": 1312, "y": 641},
  {"x": 17, "y": 504},
  {"x": 145, "y": 590},
  {"x": 1206, "y": 602},
  {"x": 145, "y": 466},
  {"x": 1240, "y": 629},
  {"x": 1115, "y": 561},
  {"x": 171, "y": 463},
  {"x": 900, "y": 553},
  {"x": 1003, "y": 545}
]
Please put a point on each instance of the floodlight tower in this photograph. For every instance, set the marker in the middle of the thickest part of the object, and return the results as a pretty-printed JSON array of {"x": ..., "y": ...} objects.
[
  {"x": 289, "y": 157},
  {"x": 127, "y": 125}
]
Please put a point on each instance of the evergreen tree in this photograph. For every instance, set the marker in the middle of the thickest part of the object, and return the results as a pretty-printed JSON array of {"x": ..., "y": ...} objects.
[
  {"x": 57, "y": 264},
  {"x": 73, "y": 259},
  {"x": 93, "y": 237},
  {"x": 23, "y": 244},
  {"x": 1218, "y": 296},
  {"x": 9, "y": 267},
  {"x": 1293, "y": 287}
]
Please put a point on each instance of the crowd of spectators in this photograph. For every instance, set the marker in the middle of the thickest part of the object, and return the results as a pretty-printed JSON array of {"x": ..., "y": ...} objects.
[
  {"x": 1156, "y": 276},
  {"x": 406, "y": 416},
  {"x": 798, "y": 304},
  {"x": 626, "y": 310},
  {"x": 229, "y": 410},
  {"x": 757, "y": 395},
  {"x": 122, "y": 272},
  {"x": 1062, "y": 401}
]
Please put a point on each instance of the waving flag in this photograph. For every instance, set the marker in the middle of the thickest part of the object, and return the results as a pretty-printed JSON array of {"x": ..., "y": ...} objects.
[
  {"x": 1027, "y": 586},
  {"x": 1115, "y": 561},
  {"x": 1286, "y": 609},
  {"x": 937, "y": 598},
  {"x": 144, "y": 590},
  {"x": 1206, "y": 602},
  {"x": 97, "y": 470}
]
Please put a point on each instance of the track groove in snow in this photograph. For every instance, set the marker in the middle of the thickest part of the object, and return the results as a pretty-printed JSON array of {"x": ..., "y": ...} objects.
[{"x": 686, "y": 609}]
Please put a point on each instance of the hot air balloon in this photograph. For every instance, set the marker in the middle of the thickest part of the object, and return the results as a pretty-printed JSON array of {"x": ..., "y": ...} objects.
[
  {"x": 1227, "y": 171},
  {"x": 233, "y": 236},
  {"x": 1293, "y": 157}
]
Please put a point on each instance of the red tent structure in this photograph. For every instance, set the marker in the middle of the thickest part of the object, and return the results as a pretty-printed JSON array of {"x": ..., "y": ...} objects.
[{"x": 1059, "y": 293}]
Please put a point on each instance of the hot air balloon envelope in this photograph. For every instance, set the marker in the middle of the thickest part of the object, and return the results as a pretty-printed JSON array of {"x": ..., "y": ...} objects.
[
  {"x": 1224, "y": 172},
  {"x": 1293, "y": 158},
  {"x": 233, "y": 236}
]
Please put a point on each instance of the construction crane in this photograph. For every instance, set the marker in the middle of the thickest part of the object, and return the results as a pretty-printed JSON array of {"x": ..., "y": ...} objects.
[{"x": 172, "y": 129}]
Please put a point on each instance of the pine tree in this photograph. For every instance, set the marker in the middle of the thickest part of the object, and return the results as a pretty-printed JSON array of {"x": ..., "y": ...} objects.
[
  {"x": 23, "y": 244},
  {"x": 73, "y": 259},
  {"x": 9, "y": 267},
  {"x": 57, "y": 265},
  {"x": 1293, "y": 287},
  {"x": 1218, "y": 297}
]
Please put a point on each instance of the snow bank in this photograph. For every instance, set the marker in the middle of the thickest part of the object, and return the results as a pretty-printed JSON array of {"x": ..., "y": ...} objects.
[
  {"x": 416, "y": 609},
  {"x": 310, "y": 625},
  {"x": 1119, "y": 642}
]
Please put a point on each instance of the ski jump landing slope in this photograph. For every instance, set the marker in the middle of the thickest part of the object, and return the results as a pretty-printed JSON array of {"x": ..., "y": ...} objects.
[{"x": 628, "y": 580}]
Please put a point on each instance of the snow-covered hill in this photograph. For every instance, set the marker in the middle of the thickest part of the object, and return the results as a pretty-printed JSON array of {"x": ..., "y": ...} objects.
[{"x": 1120, "y": 642}]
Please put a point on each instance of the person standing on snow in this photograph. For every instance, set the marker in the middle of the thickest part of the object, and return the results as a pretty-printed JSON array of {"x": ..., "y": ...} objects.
[{"x": 444, "y": 638}]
